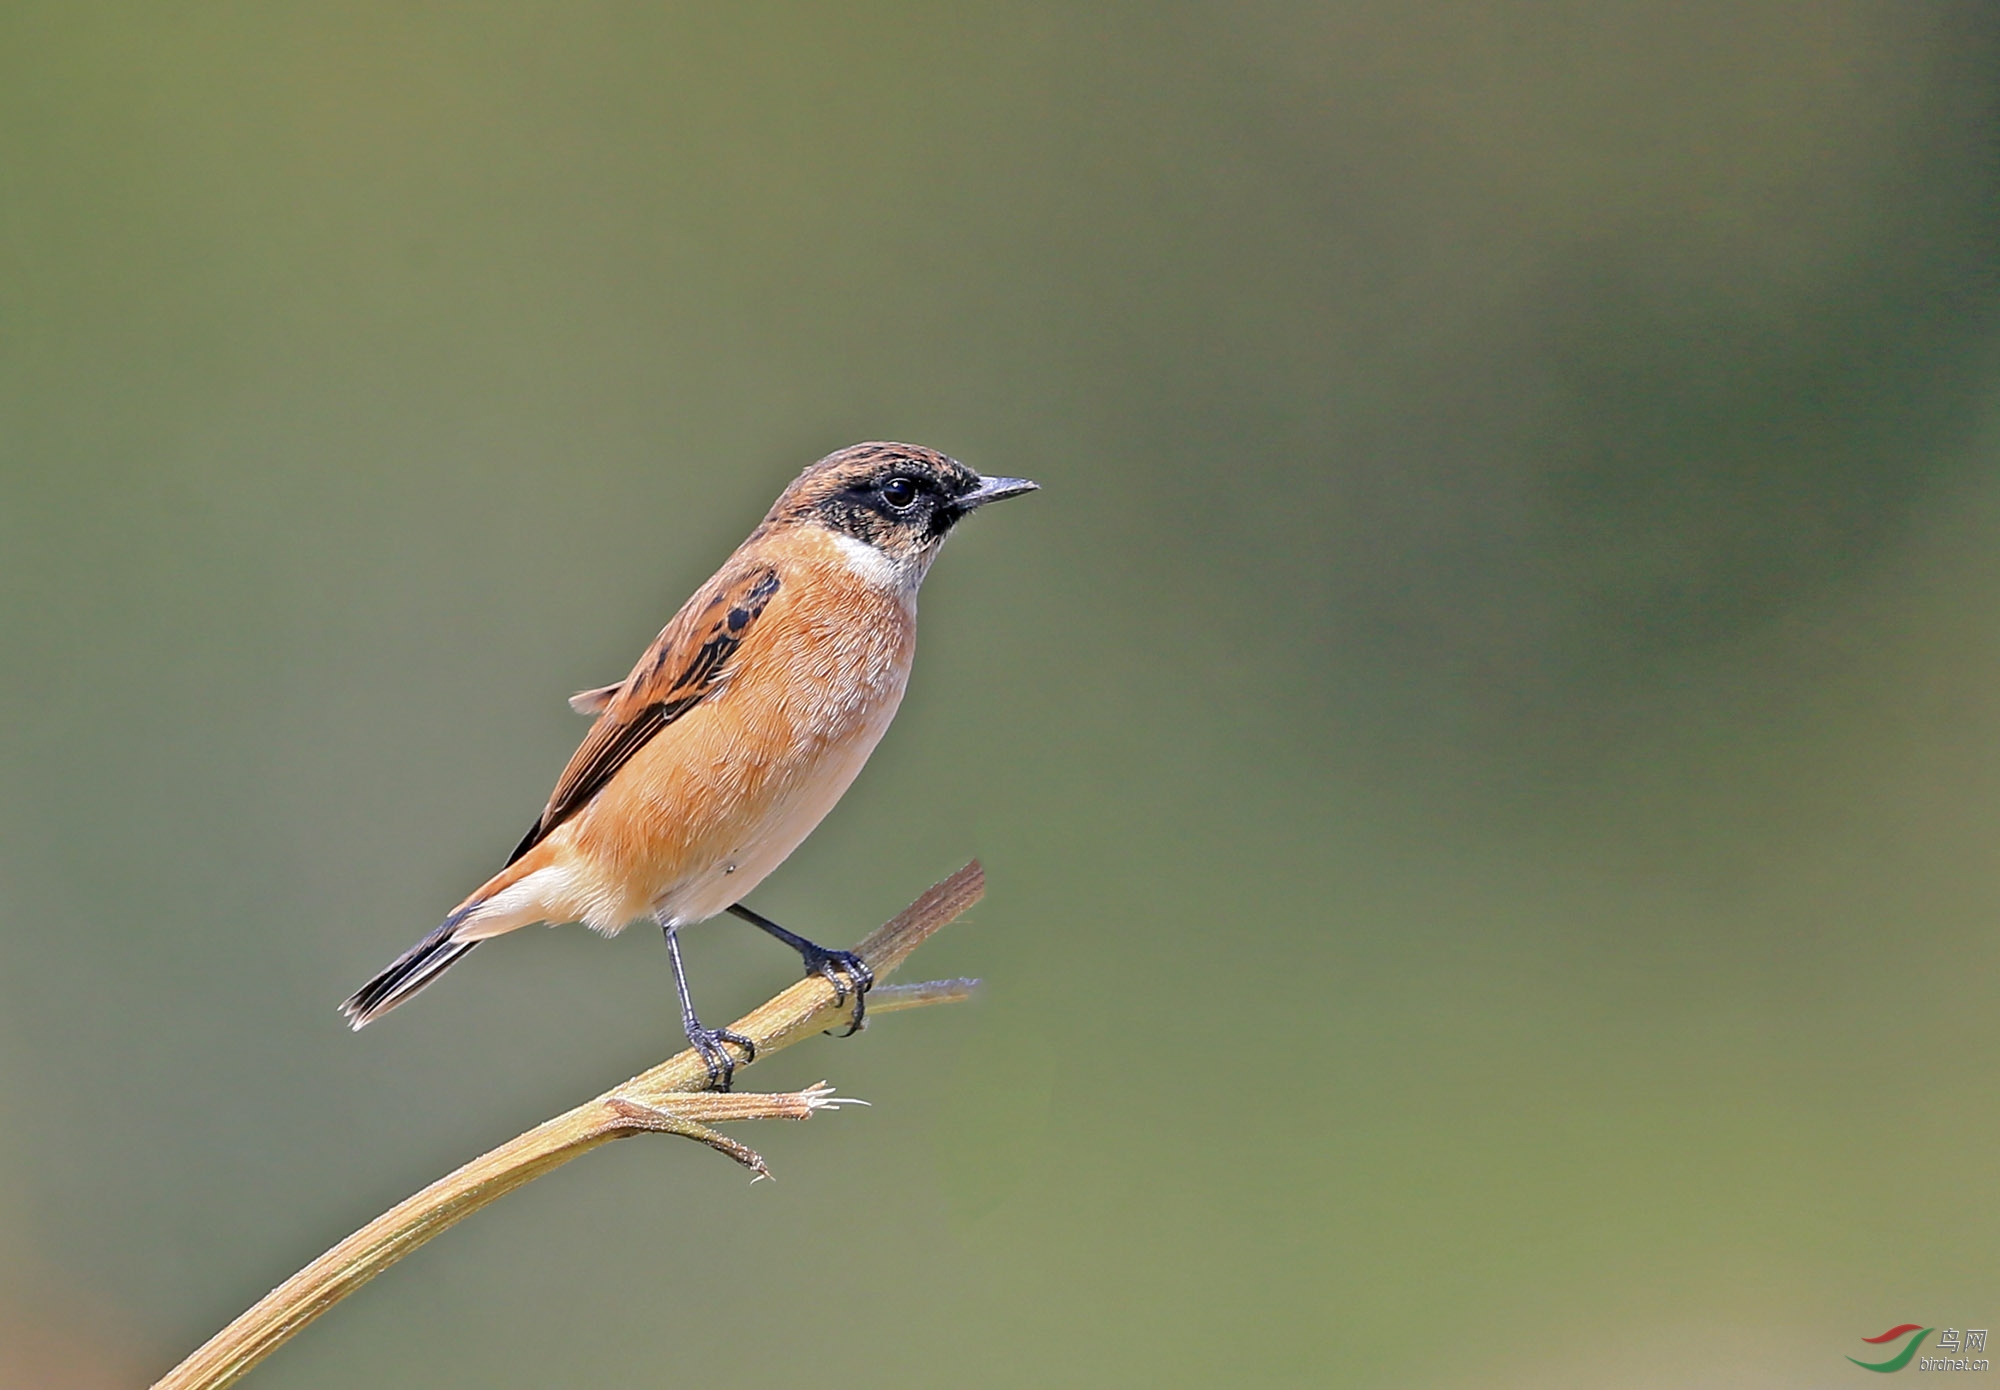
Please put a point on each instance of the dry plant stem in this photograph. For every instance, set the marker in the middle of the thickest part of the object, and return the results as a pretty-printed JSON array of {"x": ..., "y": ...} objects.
[
  {"x": 888, "y": 999},
  {"x": 668, "y": 1098}
]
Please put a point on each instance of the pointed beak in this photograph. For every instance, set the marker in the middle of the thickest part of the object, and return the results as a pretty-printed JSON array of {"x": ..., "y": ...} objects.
[{"x": 993, "y": 490}]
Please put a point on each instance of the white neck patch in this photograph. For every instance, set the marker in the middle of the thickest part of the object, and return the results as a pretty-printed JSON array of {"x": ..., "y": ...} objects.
[{"x": 877, "y": 569}]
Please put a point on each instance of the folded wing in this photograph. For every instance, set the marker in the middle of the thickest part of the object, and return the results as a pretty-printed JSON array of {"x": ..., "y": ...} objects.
[{"x": 686, "y": 664}]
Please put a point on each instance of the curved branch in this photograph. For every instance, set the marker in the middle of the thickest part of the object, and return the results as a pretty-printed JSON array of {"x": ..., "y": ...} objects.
[{"x": 668, "y": 1098}]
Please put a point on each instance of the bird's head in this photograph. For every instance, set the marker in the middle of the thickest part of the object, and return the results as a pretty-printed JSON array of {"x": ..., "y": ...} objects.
[{"x": 898, "y": 500}]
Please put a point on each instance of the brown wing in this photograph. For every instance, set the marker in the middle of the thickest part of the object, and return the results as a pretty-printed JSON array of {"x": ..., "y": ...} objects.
[{"x": 683, "y": 667}]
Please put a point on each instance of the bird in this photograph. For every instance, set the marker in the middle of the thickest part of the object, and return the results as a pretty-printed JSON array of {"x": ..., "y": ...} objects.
[{"x": 733, "y": 735}]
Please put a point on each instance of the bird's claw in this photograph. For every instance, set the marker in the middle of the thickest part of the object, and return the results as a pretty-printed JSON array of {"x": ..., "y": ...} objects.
[
  {"x": 849, "y": 975},
  {"x": 708, "y": 1044}
]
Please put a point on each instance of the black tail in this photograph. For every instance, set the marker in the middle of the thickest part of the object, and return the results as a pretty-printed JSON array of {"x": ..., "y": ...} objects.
[{"x": 407, "y": 974}]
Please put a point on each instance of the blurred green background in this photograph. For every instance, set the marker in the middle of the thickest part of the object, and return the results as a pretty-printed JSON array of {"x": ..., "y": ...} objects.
[{"x": 1487, "y": 748}]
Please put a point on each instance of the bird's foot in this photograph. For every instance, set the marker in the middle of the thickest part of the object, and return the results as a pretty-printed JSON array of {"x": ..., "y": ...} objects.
[
  {"x": 848, "y": 974},
  {"x": 708, "y": 1044}
]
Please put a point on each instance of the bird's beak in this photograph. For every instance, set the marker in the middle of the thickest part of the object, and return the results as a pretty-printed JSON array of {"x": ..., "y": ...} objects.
[{"x": 993, "y": 489}]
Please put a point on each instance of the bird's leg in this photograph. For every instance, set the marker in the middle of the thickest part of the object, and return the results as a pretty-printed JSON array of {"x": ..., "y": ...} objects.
[
  {"x": 706, "y": 1041},
  {"x": 845, "y": 971}
]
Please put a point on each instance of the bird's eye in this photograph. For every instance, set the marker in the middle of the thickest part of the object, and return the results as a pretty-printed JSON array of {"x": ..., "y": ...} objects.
[{"x": 899, "y": 493}]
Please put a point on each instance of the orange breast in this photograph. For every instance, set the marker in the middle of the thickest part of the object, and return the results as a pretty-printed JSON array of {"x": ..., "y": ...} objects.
[{"x": 719, "y": 798}]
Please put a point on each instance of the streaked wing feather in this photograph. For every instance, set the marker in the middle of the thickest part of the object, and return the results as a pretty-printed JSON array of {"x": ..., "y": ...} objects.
[{"x": 685, "y": 665}]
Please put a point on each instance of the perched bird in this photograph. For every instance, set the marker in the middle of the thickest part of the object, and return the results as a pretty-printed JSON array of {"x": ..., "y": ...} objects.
[{"x": 735, "y": 733}]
